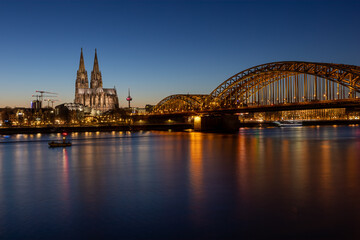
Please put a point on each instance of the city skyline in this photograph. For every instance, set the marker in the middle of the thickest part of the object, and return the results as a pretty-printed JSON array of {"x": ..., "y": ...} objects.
[{"x": 164, "y": 47}]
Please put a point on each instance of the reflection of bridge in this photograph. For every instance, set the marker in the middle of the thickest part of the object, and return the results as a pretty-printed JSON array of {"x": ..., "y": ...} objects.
[{"x": 274, "y": 87}]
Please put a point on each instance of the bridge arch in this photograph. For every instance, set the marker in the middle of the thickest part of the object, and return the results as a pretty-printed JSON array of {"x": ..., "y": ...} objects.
[
  {"x": 180, "y": 103},
  {"x": 286, "y": 82}
]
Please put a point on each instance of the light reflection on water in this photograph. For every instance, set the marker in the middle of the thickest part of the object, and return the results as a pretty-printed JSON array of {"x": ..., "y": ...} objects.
[{"x": 287, "y": 182}]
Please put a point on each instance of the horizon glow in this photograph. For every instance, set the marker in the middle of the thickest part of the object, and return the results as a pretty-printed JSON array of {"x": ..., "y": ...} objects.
[{"x": 164, "y": 47}]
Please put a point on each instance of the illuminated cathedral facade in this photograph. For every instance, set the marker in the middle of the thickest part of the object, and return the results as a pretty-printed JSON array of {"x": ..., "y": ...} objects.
[{"x": 95, "y": 96}]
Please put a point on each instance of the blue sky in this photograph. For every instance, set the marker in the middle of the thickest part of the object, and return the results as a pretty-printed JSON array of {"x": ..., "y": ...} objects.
[{"x": 158, "y": 48}]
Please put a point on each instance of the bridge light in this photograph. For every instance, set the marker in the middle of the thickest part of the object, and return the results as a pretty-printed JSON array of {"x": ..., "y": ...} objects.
[{"x": 197, "y": 120}]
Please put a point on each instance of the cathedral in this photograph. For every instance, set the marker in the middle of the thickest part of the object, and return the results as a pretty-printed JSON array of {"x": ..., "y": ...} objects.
[{"x": 96, "y": 97}]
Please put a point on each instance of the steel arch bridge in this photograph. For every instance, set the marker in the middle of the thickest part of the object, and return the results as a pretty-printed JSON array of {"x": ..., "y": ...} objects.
[
  {"x": 180, "y": 103},
  {"x": 276, "y": 83}
]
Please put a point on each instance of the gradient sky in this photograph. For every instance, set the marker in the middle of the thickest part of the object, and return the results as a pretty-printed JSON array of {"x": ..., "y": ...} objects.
[{"x": 158, "y": 48}]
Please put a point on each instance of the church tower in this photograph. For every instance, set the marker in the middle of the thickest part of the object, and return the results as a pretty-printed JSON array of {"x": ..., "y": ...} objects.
[
  {"x": 96, "y": 80},
  {"x": 95, "y": 97},
  {"x": 81, "y": 77}
]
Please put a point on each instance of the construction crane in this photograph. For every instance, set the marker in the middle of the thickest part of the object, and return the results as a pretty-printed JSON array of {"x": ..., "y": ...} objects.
[
  {"x": 52, "y": 102},
  {"x": 37, "y": 97},
  {"x": 40, "y": 98},
  {"x": 42, "y": 94}
]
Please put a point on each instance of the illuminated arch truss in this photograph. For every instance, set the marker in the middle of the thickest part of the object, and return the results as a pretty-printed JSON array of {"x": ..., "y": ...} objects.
[
  {"x": 286, "y": 82},
  {"x": 180, "y": 103}
]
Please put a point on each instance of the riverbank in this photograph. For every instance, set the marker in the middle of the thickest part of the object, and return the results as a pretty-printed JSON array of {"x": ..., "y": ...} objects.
[
  {"x": 148, "y": 127},
  {"x": 305, "y": 123},
  {"x": 69, "y": 129}
]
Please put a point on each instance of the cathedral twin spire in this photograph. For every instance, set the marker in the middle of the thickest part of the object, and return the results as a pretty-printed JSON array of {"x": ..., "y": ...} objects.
[
  {"x": 81, "y": 65},
  {"x": 82, "y": 80},
  {"x": 96, "y": 64},
  {"x": 95, "y": 97},
  {"x": 96, "y": 79}
]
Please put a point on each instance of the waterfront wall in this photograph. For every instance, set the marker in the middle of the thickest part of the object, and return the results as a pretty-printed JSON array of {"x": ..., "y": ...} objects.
[
  {"x": 145, "y": 127},
  {"x": 209, "y": 125}
]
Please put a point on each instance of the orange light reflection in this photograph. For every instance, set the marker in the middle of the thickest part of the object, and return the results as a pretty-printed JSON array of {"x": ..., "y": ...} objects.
[{"x": 196, "y": 175}]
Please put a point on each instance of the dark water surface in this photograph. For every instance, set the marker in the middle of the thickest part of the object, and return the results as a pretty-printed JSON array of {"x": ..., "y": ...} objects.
[{"x": 300, "y": 183}]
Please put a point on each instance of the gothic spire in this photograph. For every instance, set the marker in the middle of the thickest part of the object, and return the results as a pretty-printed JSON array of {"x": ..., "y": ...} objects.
[
  {"x": 96, "y": 80},
  {"x": 96, "y": 64},
  {"x": 81, "y": 65},
  {"x": 81, "y": 77}
]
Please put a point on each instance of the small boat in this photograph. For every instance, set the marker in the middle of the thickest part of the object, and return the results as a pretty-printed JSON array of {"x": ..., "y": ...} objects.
[
  {"x": 288, "y": 123},
  {"x": 62, "y": 143}
]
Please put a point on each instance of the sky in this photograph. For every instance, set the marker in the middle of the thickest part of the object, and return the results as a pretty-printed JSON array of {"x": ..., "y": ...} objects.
[{"x": 163, "y": 47}]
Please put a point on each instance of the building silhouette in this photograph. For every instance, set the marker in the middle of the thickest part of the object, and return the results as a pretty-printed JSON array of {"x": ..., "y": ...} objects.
[{"x": 96, "y": 96}]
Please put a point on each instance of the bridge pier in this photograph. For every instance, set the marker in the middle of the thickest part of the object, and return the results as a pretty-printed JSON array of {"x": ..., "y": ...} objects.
[{"x": 216, "y": 123}]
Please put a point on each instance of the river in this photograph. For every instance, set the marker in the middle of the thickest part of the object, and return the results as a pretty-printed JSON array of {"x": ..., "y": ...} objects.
[{"x": 279, "y": 183}]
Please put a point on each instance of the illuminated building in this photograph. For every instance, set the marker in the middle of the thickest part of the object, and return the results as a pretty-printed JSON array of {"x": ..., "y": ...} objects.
[{"x": 96, "y": 97}]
